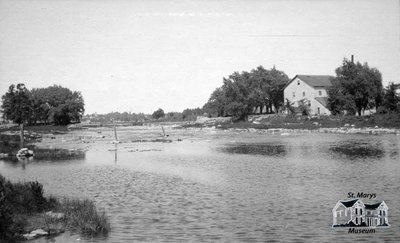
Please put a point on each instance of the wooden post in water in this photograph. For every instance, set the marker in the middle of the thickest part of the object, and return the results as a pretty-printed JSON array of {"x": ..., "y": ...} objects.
[
  {"x": 163, "y": 130},
  {"x": 115, "y": 133},
  {"x": 21, "y": 135}
]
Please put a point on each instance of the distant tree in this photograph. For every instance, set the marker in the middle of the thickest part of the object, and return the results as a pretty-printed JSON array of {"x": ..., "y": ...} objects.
[
  {"x": 356, "y": 87},
  {"x": 158, "y": 114},
  {"x": 17, "y": 106},
  {"x": 116, "y": 116},
  {"x": 391, "y": 99},
  {"x": 191, "y": 114},
  {"x": 174, "y": 116}
]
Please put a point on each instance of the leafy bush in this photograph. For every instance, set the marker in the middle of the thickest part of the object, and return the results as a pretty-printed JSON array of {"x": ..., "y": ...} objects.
[
  {"x": 20, "y": 200},
  {"x": 16, "y": 200}
]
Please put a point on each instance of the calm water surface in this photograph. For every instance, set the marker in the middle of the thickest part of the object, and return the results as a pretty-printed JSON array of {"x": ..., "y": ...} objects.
[{"x": 226, "y": 186}]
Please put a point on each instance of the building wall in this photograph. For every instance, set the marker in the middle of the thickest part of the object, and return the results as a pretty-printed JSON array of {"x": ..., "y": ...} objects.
[
  {"x": 342, "y": 215},
  {"x": 301, "y": 90},
  {"x": 322, "y": 109}
]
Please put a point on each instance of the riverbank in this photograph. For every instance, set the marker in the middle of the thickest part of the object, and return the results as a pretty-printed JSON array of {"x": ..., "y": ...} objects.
[
  {"x": 386, "y": 123},
  {"x": 25, "y": 213}
]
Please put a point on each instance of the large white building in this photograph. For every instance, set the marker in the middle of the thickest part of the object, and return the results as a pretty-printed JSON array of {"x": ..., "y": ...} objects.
[{"x": 312, "y": 88}]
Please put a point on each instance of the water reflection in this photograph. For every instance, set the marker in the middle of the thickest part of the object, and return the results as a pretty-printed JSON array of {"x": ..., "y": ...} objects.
[
  {"x": 358, "y": 149},
  {"x": 58, "y": 154},
  {"x": 9, "y": 150},
  {"x": 268, "y": 149}
]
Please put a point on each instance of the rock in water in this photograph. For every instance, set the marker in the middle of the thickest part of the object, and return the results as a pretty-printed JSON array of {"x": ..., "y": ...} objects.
[{"x": 24, "y": 152}]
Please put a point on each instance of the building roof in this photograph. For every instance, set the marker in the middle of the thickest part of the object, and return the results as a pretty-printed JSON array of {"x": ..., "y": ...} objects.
[
  {"x": 349, "y": 203},
  {"x": 323, "y": 101},
  {"x": 372, "y": 206},
  {"x": 317, "y": 80},
  {"x": 314, "y": 80}
]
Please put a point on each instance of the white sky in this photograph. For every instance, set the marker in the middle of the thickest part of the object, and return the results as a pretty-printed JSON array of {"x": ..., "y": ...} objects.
[{"x": 138, "y": 56}]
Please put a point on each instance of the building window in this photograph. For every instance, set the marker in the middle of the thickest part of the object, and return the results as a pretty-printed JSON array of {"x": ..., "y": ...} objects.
[
  {"x": 320, "y": 93},
  {"x": 304, "y": 93},
  {"x": 294, "y": 94},
  {"x": 318, "y": 111},
  {"x": 298, "y": 82}
]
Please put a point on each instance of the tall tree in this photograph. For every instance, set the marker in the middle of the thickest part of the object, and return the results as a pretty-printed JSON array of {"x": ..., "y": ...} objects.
[
  {"x": 58, "y": 105},
  {"x": 237, "y": 90},
  {"x": 216, "y": 103},
  {"x": 278, "y": 81},
  {"x": 391, "y": 99},
  {"x": 17, "y": 106},
  {"x": 356, "y": 86},
  {"x": 242, "y": 93}
]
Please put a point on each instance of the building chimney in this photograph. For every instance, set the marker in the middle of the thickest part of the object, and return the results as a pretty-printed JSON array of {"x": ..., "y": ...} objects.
[{"x": 352, "y": 58}]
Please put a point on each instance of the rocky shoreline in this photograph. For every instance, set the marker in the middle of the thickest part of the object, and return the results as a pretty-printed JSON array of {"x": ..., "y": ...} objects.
[{"x": 338, "y": 130}]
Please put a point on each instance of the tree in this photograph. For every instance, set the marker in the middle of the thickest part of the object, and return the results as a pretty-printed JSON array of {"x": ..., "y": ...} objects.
[
  {"x": 267, "y": 88},
  {"x": 304, "y": 106},
  {"x": 58, "y": 105},
  {"x": 242, "y": 93},
  {"x": 339, "y": 101},
  {"x": 191, "y": 114},
  {"x": 17, "y": 107},
  {"x": 289, "y": 107},
  {"x": 391, "y": 99},
  {"x": 278, "y": 81},
  {"x": 356, "y": 87},
  {"x": 239, "y": 103},
  {"x": 216, "y": 103},
  {"x": 158, "y": 114}
]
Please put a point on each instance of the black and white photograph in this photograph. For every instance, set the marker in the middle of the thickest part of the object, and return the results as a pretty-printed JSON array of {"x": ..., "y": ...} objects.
[{"x": 199, "y": 121}]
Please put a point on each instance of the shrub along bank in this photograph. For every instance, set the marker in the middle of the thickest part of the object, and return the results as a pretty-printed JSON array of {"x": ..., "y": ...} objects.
[{"x": 24, "y": 208}]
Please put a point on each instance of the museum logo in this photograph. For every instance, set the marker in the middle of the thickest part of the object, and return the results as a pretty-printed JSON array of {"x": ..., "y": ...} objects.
[{"x": 360, "y": 217}]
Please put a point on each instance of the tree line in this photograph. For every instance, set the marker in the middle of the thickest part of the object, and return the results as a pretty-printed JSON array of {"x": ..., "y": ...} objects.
[
  {"x": 52, "y": 105},
  {"x": 242, "y": 93},
  {"x": 159, "y": 114}
]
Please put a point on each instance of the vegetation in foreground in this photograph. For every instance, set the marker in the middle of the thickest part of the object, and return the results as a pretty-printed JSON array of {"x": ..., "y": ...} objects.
[{"x": 23, "y": 208}]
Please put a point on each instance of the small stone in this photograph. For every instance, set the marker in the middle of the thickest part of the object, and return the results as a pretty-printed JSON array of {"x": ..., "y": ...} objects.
[
  {"x": 39, "y": 232},
  {"x": 29, "y": 236},
  {"x": 55, "y": 215}
]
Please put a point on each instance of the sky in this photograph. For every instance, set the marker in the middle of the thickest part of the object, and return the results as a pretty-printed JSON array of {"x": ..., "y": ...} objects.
[{"x": 138, "y": 56}]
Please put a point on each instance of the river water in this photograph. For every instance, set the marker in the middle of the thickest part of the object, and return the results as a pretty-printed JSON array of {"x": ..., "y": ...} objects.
[{"x": 225, "y": 185}]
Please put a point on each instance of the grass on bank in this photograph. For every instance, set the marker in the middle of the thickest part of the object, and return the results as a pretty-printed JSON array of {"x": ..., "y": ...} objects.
[
  {"x": 36, "y": 128},
  {"x": 23, "y": 209},
  {"x": 305, "y": 122}
]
